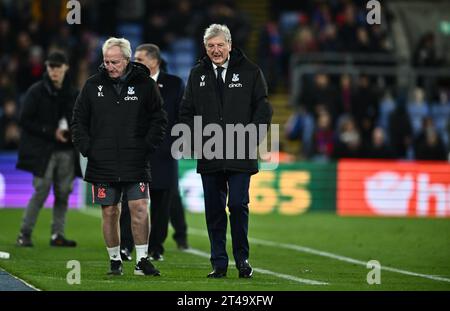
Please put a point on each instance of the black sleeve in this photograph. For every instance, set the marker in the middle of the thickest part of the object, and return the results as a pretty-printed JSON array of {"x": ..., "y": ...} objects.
[
  {"x": 187, "y": 112},
  {"x": 28, "y": 117},
  {"x": 181, "y": 89},
  {"x": 157, "y": 118},
  {"x": 187, "y": 109},
  {"x": 262, "y": 110},
  {"x": 81, "y": 122}
]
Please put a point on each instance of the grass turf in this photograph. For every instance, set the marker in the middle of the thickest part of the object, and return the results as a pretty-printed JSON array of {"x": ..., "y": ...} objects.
[{"x": 417, "y": 245}]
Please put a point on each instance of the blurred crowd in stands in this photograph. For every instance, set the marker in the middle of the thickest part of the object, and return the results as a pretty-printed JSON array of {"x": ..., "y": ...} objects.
[
  {"x": 335, "y": 115},
  {"x": 361, "y": 116}
]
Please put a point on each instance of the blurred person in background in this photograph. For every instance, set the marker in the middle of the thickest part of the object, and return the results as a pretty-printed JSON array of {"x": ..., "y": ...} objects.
[
  {"x": 348, "y": 144},
  {"x": 323, "y": 138},
  {"x": 428, "y": 144},
  {"x": 9, "y": 126},
  {"x": 379, "y": 148},
  {"x": 400, "y": 131},
  {"x": 46, "y": 149}
]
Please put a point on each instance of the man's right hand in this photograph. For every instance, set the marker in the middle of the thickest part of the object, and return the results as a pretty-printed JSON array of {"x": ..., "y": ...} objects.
[{"x": 60, "y": 136}]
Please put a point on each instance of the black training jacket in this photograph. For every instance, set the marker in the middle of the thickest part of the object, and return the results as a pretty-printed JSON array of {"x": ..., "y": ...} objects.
[
  {"x": 42, "y": 109},
  {"x": 116, "y": 132},
  {"x": 244, "y": 102}
]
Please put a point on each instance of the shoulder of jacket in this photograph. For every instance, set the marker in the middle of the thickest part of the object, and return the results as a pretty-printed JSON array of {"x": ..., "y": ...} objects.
[
  {"x": 247, "y": 64},
  {"x": 169, "y": 76},
  {"x": 199, "y": 68},
  {"x": 36, "y": 87},
  {"x": 95, "y": 79}
]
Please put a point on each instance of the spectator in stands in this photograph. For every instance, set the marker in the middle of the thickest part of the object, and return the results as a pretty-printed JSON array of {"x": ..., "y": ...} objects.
[
  {"x": 347, "y": 31},
  {"x": 270, "y": 53},
  {"x": 9, "y": 126},
  {"x": 365, "y": 107},
  {"x": 440, "y": 112},
  {"x": 363, "y": 42},
  {"x": 428, "y": 144},
  {"x": 304, "y": 41},
  {"x": 348, "y": 144},
  {"x": 386, "y": 107},
  {"x": 323, "y": 137},
  {"x": 323, "y": 96},
  {"x": 224, "y": 12},
  {"x": 417, "y": 109},
  {"x": 400, "y": 131},
  {"x": 7, "y": 89},
  {"x": 425, "y": 52},
  {"x": 379, "y": 148},
  {"x": 346, "y": 96},
  {"x": 328, "y": 40}
]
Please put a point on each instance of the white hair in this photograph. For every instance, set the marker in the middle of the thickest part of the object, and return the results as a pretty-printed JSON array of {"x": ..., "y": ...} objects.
[
  {"x": 122, "y": 43},
  {"x": 215, "y": 30}
]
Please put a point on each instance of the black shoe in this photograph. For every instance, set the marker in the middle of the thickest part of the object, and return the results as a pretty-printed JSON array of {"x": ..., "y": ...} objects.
[
  {"x": 245, "y": 270},
  {"x": 182, "y": 246},
  {"x": 125, "y": 254},
  {"x": 217, "y": 274},
  {"x": 61, "y": 241},
  {"x": 155, "y": 256},
  {"x": 116, "y": 268},
  {"x": 24, "y": 240},
  {"x": 145, "y": 267}
]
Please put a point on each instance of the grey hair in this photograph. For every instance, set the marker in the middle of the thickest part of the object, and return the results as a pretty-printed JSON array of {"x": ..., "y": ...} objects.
[
  {"x": 152, "y": 50},
  {"x": 122, "y": 43},
  {"x": 215, "y": 30}
]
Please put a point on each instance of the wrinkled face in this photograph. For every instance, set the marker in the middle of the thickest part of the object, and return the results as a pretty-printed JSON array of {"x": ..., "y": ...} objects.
[
  {"x": 56, "y": 72},
  {"x": 218, "y": 49},
  {"x": 114, "y": 61}
]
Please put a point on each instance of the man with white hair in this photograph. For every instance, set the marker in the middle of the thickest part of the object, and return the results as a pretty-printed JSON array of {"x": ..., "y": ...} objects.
[
  {"x": 225, "y": 88},
  {"x": 118, "y": 122}
]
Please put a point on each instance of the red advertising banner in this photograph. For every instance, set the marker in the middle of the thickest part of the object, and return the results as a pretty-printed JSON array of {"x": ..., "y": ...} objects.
[{"x": 391, "y": 188}]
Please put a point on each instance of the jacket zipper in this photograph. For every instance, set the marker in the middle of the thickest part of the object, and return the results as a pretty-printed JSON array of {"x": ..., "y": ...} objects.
[{"x": 117, "y": 137}]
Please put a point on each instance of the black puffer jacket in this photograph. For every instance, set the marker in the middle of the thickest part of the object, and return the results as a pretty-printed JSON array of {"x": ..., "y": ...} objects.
[
  {"x": 42, "y": 109},
  {"x": 244, "y": 102},
  {"x": 116, "y": 132}
]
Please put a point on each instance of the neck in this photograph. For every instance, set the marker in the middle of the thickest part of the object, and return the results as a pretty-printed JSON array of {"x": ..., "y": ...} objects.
[
  {"x": 57, "y": 84},
  {"x": 154, "y": 70}
]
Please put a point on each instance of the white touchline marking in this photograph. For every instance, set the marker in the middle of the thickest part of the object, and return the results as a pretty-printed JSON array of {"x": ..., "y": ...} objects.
[
  {"x": 206, "y": 255},
  {"x": 263, "y": 271},
  {"x": 24, "y": 282},
  {"x": 327, "y": 254},
  {"x": 309, "y": 250}
]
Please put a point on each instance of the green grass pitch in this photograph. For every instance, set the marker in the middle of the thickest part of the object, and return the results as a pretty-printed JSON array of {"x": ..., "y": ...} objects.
[{"x": 334, "y": 252}]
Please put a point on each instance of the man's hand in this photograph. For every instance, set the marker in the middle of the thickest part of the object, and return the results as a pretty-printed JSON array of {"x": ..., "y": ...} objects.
[{"x": 60, "y": 136}]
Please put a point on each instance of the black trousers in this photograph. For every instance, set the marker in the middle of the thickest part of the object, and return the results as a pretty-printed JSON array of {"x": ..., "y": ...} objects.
[
  {"x": 165, "y": 204},
  {"x": 216, "y": 188},
  {"x": 178, "y": 219}
]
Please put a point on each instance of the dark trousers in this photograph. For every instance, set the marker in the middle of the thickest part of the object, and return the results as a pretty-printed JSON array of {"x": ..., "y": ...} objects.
[
  {"x": 216, "y": 188},
  {"x": 178, "y": 219},
  {"x": 161, "y": 209},
  {"x": 159, "y": 219}
]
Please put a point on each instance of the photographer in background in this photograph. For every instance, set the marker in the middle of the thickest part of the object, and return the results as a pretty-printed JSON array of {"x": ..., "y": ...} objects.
[{"x": 46, "y": 149}]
